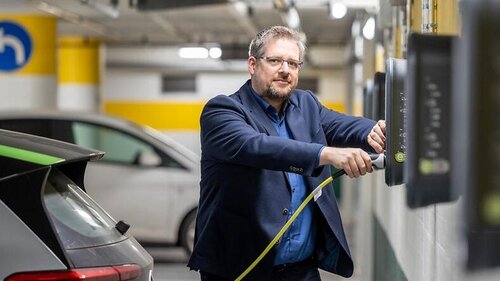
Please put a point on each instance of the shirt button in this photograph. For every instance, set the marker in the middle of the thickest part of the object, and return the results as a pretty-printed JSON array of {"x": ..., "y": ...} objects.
[{"x": 285, "y": 211}]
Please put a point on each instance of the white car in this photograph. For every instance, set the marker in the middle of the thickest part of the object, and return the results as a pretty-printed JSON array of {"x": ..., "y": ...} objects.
[{"x": 145, "y": 178}]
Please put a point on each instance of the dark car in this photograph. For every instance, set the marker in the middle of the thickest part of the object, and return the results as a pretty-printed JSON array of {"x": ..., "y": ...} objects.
[{"x": 51, "y": 229}]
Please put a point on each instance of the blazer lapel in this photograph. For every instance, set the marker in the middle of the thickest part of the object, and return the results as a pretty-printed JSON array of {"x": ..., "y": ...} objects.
[
  {"x": 297, "y": 124},
  {"x": 255, "y": 109}
]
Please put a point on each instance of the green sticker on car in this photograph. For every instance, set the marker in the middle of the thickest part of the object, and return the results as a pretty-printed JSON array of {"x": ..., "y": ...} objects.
[{"x": 28, "y": 156}]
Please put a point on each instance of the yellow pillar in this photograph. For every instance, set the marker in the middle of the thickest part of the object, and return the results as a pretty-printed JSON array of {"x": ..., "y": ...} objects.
[
  {"x": 79, "y": 74},
  {"x": 27, "y": 61},
  {"x": 447, "y": 17},
  {"x": 437, "y": 16},
  {"x": 415, "y": 15}
]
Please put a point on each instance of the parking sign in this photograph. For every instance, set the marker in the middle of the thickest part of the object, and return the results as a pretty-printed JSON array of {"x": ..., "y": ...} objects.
[{"x": 15, "y": 46}]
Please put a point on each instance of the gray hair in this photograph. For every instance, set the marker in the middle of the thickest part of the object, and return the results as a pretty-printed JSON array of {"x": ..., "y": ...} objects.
[{"x": 256, "y": 48}]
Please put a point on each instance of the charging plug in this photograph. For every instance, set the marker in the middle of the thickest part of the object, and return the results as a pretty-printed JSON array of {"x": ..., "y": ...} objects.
[{"x": 378, "y": 161}]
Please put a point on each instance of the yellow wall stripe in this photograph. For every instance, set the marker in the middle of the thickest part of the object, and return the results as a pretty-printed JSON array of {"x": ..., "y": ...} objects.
[
  {"x": 337, "y": 106},
  {"x": 42, "y": 30},
  {"x": 169, "y": 116},
  {"x": 79, "y": 60},
  {"x": 161, "y": 116}
]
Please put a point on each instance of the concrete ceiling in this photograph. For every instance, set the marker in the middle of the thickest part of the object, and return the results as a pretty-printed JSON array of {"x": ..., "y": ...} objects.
[
  {"x": 228, "y": 23},
  {"x": 225, "y": 22}
]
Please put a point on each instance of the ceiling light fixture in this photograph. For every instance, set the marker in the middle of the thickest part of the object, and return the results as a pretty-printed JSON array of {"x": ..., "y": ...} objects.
[
  {"x": 288, "y": 12},
  {"x": 369, "y": 29},
  {"x": 193, "y": 52},
  {"x": 215, "y": 52},
  {"x": 200, "y": 52},
  {"x": 292, "y": 18},
  {"x": 337, "y": 9}
]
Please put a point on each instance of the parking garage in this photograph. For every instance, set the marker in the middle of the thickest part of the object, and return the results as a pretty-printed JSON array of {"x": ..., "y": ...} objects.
[{"x": 130, "y": 78}]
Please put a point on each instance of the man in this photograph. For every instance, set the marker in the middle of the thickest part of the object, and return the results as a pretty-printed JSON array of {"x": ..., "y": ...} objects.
[{"x": 264, "y": 149}]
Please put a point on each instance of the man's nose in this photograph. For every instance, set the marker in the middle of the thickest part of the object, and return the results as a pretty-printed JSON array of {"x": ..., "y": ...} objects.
[{"x": 284, "y": 67}]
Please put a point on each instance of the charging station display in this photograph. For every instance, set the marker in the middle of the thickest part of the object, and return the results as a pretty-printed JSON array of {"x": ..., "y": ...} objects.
[
  {"x": 428, "y": 167},
  {"x": 395, "y": 106},
  {"x": 476, "y": 131},
  {"x": 378, "y": 98}
]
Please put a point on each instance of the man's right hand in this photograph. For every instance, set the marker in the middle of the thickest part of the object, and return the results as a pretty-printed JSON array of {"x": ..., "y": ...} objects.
[{"x": 354, "y": 161}]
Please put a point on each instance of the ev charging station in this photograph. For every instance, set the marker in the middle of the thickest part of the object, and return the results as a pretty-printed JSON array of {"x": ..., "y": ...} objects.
[
  {"x": 378, "y": 98},
  {"x": 429, "y": 83},
  {"x": 395, "y": 116},
  {"x": 374, "y": 97},
  {"x": 476, "y": 132}
]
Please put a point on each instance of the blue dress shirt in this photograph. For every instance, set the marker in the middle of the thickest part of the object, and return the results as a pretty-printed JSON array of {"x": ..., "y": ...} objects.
[{"x": 297, "y": 243}]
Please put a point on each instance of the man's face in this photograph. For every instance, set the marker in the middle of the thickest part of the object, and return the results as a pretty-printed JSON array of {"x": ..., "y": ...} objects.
[{"x": 272, "y": 80}]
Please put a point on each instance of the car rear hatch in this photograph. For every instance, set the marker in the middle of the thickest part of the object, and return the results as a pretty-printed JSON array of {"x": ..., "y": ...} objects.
[{"x": 41, "y": 181}]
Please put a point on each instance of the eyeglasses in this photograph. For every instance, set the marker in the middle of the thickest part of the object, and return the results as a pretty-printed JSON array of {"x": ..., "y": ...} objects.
[{"x": 278, "y": 62}]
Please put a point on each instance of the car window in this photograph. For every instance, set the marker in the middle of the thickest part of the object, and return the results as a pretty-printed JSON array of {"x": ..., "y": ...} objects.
[
  {"x": 78, "y": 220},
  {"x": 119, "y": 147}
]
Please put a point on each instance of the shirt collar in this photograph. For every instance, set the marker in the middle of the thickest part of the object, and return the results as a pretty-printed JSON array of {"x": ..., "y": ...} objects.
[{"x": 268, "y": 109}]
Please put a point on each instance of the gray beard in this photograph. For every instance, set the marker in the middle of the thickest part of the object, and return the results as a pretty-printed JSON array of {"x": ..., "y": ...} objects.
[{"x": 272, "y": 94}]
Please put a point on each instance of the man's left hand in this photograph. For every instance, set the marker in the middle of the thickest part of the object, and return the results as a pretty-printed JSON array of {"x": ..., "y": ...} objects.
[{"x": 376, "y": 137}]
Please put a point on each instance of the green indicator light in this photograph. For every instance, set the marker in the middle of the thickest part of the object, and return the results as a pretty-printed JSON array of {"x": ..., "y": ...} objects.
[
  {"x": 400, "y": 157},
  {"x": 491, "y": 208},
  {"x": 425, "y": 166},
  {"x": 28, "y": 156}
]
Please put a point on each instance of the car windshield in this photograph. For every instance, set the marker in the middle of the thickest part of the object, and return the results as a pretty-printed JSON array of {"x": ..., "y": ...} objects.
[{"x": 78, "y": 220}]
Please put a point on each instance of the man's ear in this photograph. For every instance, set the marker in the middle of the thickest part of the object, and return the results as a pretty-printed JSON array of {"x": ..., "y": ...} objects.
[{"x": 252, "y": 63}]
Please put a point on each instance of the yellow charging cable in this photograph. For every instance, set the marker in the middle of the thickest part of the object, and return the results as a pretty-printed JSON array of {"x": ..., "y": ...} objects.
[
  {"x": 288, "y": 223},
  {"x": 378, "y": 162}
]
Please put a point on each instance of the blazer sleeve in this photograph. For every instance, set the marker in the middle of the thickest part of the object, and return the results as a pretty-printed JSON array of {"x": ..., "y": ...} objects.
[
  {"x": 230, "y": 135},
  {"x": 343, "y": 130}
]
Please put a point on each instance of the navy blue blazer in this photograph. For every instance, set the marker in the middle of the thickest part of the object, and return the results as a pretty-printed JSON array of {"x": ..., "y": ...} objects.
[{"x": 244, "y": 189}]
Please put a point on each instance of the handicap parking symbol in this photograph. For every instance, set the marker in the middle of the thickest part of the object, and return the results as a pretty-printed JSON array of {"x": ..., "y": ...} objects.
[{"x": 15, "y": 46}]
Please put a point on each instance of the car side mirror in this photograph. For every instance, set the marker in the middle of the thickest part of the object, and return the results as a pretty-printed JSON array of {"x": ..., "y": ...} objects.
[{"x": 149, "y": 159}]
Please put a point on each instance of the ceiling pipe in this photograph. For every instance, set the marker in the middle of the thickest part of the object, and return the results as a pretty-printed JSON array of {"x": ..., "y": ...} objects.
[
  {"x": 110, "y": 10},
  {"x": 289, "y": 14},
  {"x": 241, "y": 12}
]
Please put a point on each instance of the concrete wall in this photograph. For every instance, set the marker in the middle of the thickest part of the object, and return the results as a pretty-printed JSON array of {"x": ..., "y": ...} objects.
[
  {"x": 131, "y": 85},
  {"x": 422, "y": 244}
]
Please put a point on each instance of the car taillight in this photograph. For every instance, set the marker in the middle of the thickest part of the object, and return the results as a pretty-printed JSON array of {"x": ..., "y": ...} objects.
[{"x": 110, "y": 273}]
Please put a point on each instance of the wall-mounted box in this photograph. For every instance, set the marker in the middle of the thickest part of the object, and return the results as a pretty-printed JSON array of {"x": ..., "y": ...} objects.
[
  {"x": 428, "y": 128},
  {"x": 476, "y": 131},
  {"x": 395, "y": 106}
]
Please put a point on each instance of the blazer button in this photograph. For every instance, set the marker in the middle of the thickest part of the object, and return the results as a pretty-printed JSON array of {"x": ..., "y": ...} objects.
[{"x": 285, "y": 211}]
